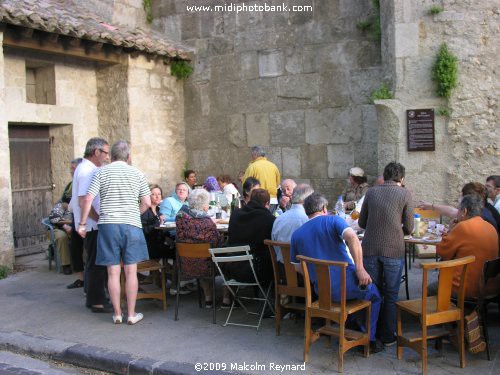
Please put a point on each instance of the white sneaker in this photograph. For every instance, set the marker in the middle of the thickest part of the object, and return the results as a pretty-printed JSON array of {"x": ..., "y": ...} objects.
[
  {"x": 135, "y": 319},
  {"x": 118, "y": 319}
]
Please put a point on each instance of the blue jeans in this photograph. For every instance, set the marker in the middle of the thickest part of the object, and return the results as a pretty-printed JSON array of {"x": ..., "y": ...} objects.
[
  {"x": 386, "y": 274},
  {"x": 370, "y": 293}
]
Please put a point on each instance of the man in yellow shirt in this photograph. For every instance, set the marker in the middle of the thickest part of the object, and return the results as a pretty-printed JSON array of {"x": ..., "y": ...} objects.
[{"x": 264, "y": 171}]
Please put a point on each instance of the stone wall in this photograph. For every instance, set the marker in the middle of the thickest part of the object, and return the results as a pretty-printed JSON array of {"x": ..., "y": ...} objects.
[
  {"x": 156, "y": 121},
  {"x": 297, "y": 83},
  {"x": 6, "y": 238},
  {"x": 467, "y": 143}
]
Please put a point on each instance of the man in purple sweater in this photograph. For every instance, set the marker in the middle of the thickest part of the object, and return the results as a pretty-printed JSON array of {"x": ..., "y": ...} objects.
[{"x": 387, "y": 215}]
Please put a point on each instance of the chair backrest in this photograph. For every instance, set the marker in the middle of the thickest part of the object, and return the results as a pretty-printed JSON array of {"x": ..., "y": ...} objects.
[
  {"x": 290, "y": 285},
  {"x": 446, "y": 272},
  {"x": 193, "y": 250},
  {"x": 491, "y": 270},
  {"x": 322, "y": 270},
  {"x": 50, "y": 226},
  {"x": 428, "y": 214},
  {"x": 232, "y": 254}
]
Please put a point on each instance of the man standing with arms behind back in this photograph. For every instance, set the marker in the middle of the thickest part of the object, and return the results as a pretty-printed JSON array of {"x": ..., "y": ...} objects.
[
  {"x": 96, "y": 155},
  {"x": 121, "y": 188},
  {"x": 387, "y": 215},
  {"x": 266, "y": 172}
]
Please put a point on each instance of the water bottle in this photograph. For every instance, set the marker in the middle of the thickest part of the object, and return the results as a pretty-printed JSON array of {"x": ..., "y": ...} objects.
[
  {"x": 339, "y": 207},
  {"x": 416, "y": 225},
  {"x": 218, "y": 209}
]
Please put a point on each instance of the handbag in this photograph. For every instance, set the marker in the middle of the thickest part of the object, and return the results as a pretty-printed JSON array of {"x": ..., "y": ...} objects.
[{"x": 474, "y": 332}]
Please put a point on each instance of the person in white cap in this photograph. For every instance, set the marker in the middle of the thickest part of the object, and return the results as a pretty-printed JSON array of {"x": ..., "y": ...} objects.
[{"x": 356, "y": 188}]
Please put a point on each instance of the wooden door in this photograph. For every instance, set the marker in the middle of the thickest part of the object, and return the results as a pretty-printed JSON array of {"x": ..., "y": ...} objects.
[{"x": 31, "y": 179}]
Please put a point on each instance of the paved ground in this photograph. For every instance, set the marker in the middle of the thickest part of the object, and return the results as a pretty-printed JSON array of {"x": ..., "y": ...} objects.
[{"x": 39, "y": 315}]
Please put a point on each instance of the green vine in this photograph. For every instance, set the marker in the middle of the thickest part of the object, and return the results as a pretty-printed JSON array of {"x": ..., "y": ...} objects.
[
  {"x": 382, "y": 93},
  {"x": 148, "y": 8},
  {"x": 180, "y": 69},
  {"x": 444, "y": 111},
  {"x": 445, "y": 71},
  {"x": 373, "y": 23},
  {"x": 435, "y": 9}
]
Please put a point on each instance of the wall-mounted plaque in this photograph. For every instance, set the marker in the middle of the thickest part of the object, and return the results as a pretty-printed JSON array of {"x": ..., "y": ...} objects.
[{"x": 420, "y": 129}]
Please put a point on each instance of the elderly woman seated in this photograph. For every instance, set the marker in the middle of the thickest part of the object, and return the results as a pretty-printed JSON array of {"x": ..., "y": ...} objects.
[
  {"x": 356, "y": 188},
  {"x": 171, "y": 205},
  {"x": 195, "y": 226}
]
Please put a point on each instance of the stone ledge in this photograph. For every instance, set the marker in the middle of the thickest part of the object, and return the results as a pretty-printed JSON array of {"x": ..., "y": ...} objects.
[{"x": 90, "y": 356}]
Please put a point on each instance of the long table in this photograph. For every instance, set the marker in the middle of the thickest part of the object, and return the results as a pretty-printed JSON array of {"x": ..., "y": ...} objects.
[{"x": 222, "y": 228}]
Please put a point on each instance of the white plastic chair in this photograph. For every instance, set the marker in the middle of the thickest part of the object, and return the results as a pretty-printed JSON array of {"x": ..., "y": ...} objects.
[{"x": 225, "y": 255}]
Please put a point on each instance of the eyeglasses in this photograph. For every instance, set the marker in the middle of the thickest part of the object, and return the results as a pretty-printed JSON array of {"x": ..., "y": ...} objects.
[{"x": 100, "y": 149}]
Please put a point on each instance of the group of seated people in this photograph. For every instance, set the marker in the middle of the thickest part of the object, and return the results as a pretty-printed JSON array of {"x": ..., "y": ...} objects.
[{"x": 302, "y": 218}]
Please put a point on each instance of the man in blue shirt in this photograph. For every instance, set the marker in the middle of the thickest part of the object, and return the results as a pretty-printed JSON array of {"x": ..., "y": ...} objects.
[{"x": 322, "y": 237}]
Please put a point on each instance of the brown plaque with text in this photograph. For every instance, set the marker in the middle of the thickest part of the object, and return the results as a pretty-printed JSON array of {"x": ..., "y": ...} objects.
[{"x": 420, "y": 129}]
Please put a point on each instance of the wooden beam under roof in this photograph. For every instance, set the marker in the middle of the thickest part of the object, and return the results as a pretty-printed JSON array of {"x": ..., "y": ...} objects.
[{"x": 47, "y": 43}]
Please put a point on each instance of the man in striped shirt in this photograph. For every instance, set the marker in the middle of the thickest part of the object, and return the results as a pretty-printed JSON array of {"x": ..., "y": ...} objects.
[{"x": 124, "y": 196}]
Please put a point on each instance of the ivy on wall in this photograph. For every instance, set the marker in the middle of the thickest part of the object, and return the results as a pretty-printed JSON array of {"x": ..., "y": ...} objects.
[
  {"x": 445, "y": 71},
  {"x": 180, "y": 69},
  {"x": 148, "y": 8},
  {"x": 373, "y": 23}
]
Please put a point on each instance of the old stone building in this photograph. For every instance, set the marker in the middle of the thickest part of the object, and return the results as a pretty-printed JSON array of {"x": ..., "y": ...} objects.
[
  {"x": 67, "y": 75},
  {"x": 296, "y": 81}
]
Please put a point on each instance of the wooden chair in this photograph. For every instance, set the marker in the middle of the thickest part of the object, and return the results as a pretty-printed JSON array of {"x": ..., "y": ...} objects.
[
  {"x": 435, "y": 310},
  {"x": 332, "y": 311},
  {"x": 289, "y": 286},
  {"x": 194, "y": 251},
  {"x": 151, "y": 266}
]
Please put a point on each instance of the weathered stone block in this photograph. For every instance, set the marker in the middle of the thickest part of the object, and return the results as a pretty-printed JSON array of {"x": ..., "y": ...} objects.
[
  {"x": 293, "y": 61},
  {"x": 258, "y": 129},
  {"x": 340, "y": 160},
  {"x": 448, "y": 15},
  {"x": 256, "y": 95},
  {"x": 314, "y": 161},
  {"x": 249, "y": 65},
  {"x": 219, "y": 46},
  {"x": 271, "y": 63},
  {"x": 237, "y": 131},
  {"x": 333, "y": 126},
  {"x": 291, "y": 162},
  {"x": 255, "y": 39},
  {"x": 303, "y": 11},
  {"x": 155, "y": 81},
  {"x": 300, "y": 86},
  {"x": 366, "y": 156},
  {"x": 225, "y": 68},
  {"x": 190, "y": 26},
  {"x": 370, "y": 125},
  {"x": 287, "y": 128},
  {"x": 334, "y": 88},
  {"x": 406, "y": 42}
]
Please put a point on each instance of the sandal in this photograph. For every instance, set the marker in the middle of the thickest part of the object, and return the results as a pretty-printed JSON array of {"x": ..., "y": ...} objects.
[{"x": 209, "y": 304}]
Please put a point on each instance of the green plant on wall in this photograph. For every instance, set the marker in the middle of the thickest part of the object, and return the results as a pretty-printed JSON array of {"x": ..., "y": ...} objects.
[
  {"x": 373, "y": 23},
  {"x": 148, "y": 8},
  {"x": 435, "y": 9},
  {"x": 180, "y": 69},
  {"x": 445, "y": 71},
  {"x": 444, "y": 111},
  {"x": 382, "y": 93}
]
